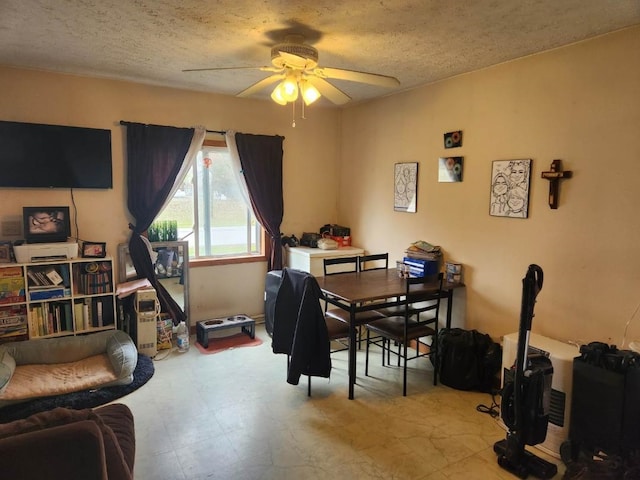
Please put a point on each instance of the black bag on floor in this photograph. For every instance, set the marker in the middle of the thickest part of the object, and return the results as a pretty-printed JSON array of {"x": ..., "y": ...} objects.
[{"x": 468, "y": 359}]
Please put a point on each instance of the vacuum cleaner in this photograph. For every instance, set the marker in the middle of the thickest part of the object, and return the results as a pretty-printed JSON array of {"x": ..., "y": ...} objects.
[{"x": 526, "y": 395}]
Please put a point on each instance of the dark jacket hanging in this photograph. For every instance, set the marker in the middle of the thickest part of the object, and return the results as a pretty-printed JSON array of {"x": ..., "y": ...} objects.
[{"x": 299, "y": 328}]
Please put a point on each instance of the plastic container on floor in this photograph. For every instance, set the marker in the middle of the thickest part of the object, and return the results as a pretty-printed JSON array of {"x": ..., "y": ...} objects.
[{"x": 182, "y": 337}]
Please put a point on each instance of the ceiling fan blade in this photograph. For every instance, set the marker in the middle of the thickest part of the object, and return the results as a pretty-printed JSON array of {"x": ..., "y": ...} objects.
[
  {"x": 256, "y": 87},
  {"x": 212, "y": 69},
  {"x": 355, "y": 76},
  {"x": 334, "y": 94}
]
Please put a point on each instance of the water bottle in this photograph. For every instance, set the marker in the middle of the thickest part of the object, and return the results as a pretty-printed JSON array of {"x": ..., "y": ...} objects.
[{"x": 182, "y": 338}]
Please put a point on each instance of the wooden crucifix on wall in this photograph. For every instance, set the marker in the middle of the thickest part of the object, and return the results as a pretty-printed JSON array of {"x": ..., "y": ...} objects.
[{"x": 554, "y": 176}]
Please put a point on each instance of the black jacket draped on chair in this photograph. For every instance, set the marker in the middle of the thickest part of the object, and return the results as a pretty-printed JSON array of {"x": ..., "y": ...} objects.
[{"x": 299, "y": 328}]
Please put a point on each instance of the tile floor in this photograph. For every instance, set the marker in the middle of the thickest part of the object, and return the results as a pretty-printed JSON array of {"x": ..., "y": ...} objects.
[{"x": 232, "y": 415}]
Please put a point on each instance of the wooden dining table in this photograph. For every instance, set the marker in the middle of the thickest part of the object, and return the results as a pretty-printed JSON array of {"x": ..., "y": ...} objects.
[{"x": 371, "y": 290}]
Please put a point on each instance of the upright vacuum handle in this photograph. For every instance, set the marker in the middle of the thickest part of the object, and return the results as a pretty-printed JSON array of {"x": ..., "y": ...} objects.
[
  {"x": 538, "y": 275},
  {"x": 531, "y": 286}
]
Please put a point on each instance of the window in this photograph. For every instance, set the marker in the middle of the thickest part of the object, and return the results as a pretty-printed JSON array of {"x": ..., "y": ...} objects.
[{"x": 210, "y": 210}]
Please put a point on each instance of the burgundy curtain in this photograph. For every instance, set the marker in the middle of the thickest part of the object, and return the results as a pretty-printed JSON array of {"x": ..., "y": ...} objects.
[
  {"x": 154, "y": 157},
  {"x": 261, "y": 160}
]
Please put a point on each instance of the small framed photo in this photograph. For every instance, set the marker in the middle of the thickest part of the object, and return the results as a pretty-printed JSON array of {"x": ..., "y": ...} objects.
[
  {"x": 5, "y": 253},
  {"x": 94, "y": 249}
]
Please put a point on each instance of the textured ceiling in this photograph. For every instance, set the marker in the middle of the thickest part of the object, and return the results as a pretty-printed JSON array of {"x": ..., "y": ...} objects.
[{"x": 152, "y": 41}]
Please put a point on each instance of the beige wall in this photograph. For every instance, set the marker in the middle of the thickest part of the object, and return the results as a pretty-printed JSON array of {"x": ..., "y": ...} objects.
[
  {"x": 580, "y": 104},
  {"x": 310, "y": 163}
]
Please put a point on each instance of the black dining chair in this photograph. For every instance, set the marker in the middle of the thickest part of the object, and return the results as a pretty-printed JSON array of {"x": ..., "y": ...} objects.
[
  {"x": 418, "y": 321},
  {"x": 334, "y": 266},
  {"x": 374, "y": 261}
]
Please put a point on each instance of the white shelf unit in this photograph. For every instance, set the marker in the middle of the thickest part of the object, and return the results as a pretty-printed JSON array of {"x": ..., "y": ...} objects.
[{"x": 56, "y": 298}]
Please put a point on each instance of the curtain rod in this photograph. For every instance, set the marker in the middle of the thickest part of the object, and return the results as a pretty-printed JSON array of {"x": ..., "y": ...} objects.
[{"x": 124, "y": 122}]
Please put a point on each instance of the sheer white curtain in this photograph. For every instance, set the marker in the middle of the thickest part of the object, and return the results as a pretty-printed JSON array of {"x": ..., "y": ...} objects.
[
  {"x": 194, "y": 148},
  {"x": 230, "y": 137}
]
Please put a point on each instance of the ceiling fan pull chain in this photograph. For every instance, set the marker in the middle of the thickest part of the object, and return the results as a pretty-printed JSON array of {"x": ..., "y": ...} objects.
[{"x": 293, "y": 116}]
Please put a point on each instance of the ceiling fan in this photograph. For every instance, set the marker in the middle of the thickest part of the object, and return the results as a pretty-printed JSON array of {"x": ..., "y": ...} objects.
[{"x": 295, "y": 67}]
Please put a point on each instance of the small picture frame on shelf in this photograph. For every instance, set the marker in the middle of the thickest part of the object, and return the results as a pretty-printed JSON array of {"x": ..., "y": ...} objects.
[
  {"x": 5, "y": 252},
  {"x": 94, "y": 249}
]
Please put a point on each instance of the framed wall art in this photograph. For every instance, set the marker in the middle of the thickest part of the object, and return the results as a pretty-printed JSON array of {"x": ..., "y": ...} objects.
[
  {"x": 453, "y": 139},
  {"x": 510, "y": 181},
  {"x": 450, "y": 169},
  {"x": 405, "y": 180}
]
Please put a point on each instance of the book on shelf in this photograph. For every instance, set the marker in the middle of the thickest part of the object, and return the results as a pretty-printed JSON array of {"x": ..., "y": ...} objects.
[
  {"x": 98, "y": 321},
  {"x": 43, "y": 279},
  {"x": 95, "y": 283},
  {"x": 78, "y": 316},
  {"x": 68, "y": 317},
  {"x": 49, "y": 318},
  {"x": 86, "y": 314},
  {"x": 53, "y": 276},
  {"x": 35, "y": 281}
]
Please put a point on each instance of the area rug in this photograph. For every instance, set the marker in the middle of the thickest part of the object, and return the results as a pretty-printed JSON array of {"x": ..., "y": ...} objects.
[
  {"x": 220, "y": 344},
  {"x": 78, "y": 400}
]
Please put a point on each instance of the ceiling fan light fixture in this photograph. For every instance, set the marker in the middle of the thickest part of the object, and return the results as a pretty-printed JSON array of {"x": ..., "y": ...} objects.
[
  {"x": 309, "y": 93},
  {"x": 278, "y": 94},
  {"x": 290, "y": 89}
]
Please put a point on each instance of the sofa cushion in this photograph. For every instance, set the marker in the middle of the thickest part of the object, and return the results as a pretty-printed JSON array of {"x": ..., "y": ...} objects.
[
  {"x": 118, "y": 465},
  {"x": 119, "y": 419}
]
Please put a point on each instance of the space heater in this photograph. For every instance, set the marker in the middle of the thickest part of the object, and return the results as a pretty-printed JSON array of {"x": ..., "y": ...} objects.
[
  {"x": 561, "y": 356},
  {"x": 147, "y": 312}
]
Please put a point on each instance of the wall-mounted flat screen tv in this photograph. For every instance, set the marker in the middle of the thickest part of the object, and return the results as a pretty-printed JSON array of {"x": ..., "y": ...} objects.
[{"x": 54, "y": 156}]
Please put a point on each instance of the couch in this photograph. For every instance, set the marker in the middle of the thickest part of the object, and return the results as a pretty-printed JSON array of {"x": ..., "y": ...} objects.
[
  {"x": 55, "y": 366},
  {"x": 89, "y": 444}
]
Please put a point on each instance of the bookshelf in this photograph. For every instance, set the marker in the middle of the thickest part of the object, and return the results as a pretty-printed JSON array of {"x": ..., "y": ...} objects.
[{"x": 56, "y": 298}]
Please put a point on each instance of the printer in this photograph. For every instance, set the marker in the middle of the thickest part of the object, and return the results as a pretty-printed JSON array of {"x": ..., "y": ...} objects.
[{"x": 45, "y": 252}]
